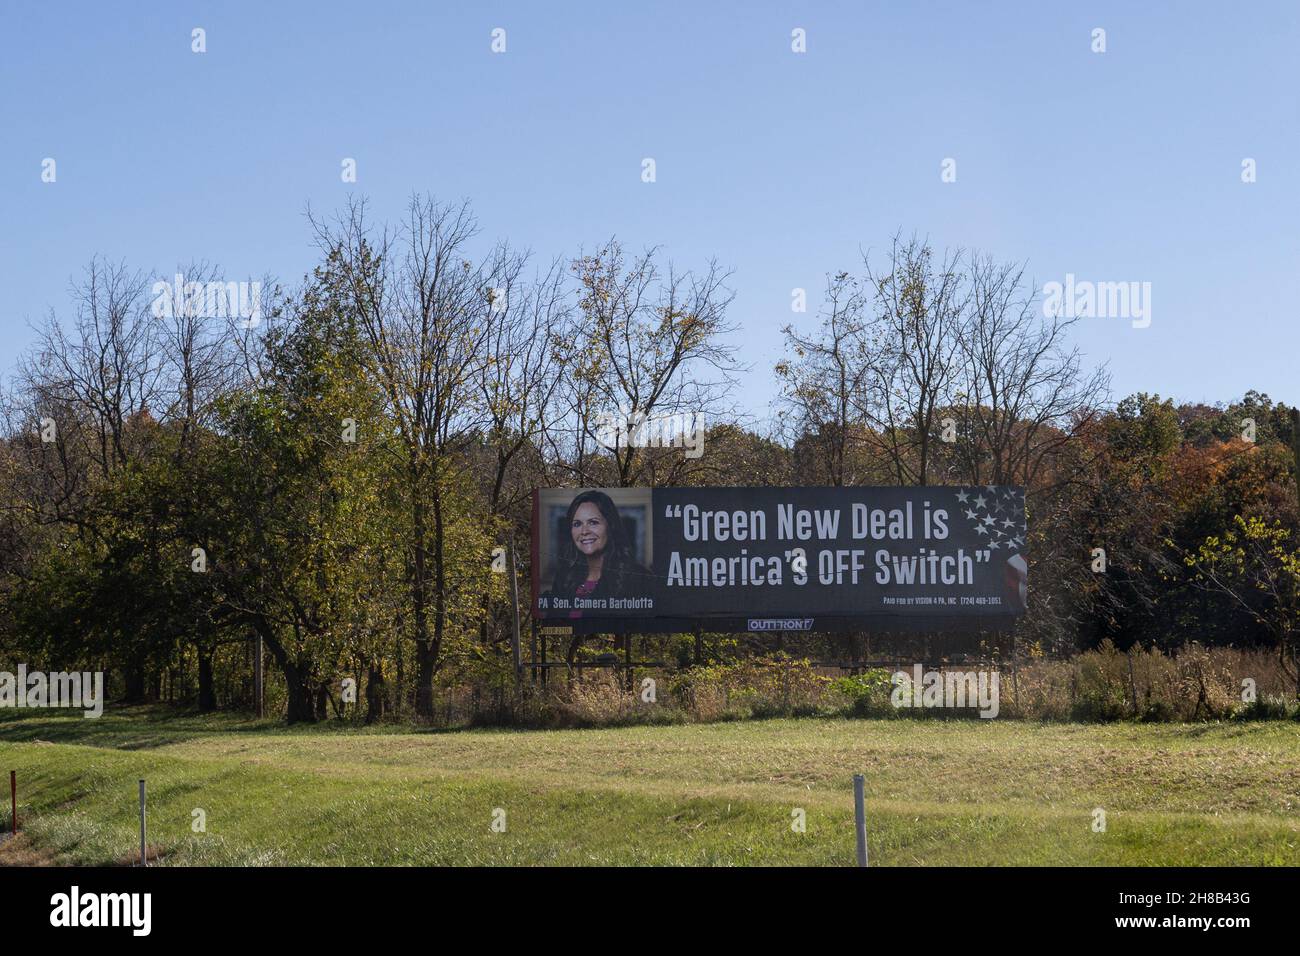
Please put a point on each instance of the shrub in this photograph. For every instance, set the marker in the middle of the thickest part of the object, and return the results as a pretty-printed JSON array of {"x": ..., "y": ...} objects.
[
  {"x": 1268, "y": 707},
  {"x": 864, "y": 695},
  {"x": 601, "y": 700},
  {"x": 1157, "y": 712},
  {"x": 776, "y": 686},
  {"x": 1195, "y": 683},
  {"x": 1206, "y": 682},
  {"x": 1102, "y": 687}
]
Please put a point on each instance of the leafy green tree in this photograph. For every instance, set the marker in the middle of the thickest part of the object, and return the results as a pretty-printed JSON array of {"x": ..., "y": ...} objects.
[
  {"x": 1256, "y": 565},
  {"x": 299, "y": 503}
]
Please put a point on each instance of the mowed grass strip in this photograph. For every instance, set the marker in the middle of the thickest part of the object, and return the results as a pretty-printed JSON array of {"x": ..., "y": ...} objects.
[{"x": 939, "y": 792}]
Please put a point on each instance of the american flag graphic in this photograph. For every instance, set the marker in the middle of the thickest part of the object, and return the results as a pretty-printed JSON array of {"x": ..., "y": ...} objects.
[{"x": 996, "y": 514}]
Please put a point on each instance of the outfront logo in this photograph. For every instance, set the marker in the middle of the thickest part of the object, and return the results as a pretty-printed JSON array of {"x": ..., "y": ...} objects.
[
  {"x": 780, "y": 623},
  {"x": 102, "y": 909}
]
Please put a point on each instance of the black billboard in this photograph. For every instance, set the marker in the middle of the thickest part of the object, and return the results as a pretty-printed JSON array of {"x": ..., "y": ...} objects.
[{"x": 778, "y": 555}]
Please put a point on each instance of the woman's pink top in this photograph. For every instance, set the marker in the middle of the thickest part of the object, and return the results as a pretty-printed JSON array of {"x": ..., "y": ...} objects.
[{"x": 583, "y": 589}]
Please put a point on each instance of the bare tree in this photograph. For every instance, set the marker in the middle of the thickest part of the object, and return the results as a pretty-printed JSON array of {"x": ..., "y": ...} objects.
[
  {"x": 652, "y": 345},
  {"x": 1023, "y": 393},
  {"x": 106, "y": 369},
  {"x": 914, "y": 337},
  {"x": 824, "y": 384},
  {"x": 528, "y": 351}
]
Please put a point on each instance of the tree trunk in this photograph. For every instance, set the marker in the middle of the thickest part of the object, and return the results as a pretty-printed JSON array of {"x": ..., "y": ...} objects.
[
  {"x": 439, "y": 584},
  {"x": 322, "y": 701},
  {"x": 207, "y": 688},
  {"x": 298, "y": 687},
  {"x": 427, "y": 649},
  {"x": 374, "y": 693},
  {"x": 134, "y": 681},
  {"x": 420, "y": 620},
  {"x": 425, "y": 659},
  {"x": 399, "y": 698}
]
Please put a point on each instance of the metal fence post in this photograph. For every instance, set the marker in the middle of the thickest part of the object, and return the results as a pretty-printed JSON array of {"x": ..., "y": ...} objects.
[
  {"x": 860, "y": 816},
  {"x": 143, "y": 860}
]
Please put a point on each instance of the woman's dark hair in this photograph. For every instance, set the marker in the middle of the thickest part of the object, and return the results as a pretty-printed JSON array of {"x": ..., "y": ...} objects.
[{"x": 620, "y": 563}]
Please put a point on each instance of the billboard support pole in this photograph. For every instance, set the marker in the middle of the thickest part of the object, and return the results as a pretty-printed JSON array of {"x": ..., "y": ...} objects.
[
  {"x": 627, "y": 656},
  {"x": 1015, "y": 668},
  {"x": 545, "y": 669},
  {"x": 699, "y": 645},
  {"x": 516, "y": 637},
  {"x": 533, "y": 656}
]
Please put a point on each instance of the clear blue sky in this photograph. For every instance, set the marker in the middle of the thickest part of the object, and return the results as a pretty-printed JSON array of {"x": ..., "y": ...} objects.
[{"x": 1117, "y": 166}]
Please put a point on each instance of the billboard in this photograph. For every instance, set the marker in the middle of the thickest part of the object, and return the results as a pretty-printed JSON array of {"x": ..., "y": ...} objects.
[{"x": 778, "y": 558}]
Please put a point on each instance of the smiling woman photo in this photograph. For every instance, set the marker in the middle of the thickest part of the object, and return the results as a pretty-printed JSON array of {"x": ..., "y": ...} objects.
[{"x": 596, "y": 556}]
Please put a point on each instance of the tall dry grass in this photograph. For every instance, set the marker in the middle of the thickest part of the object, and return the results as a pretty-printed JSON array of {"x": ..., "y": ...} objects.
[{"x": 1192, "y": 684}]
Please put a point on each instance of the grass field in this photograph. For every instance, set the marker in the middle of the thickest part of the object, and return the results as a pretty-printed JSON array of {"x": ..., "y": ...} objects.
[{"x": 938, "y": 792}]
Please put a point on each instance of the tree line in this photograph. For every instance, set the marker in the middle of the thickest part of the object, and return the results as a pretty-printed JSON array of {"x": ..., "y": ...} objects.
[{"x": 334, "y": 476}]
